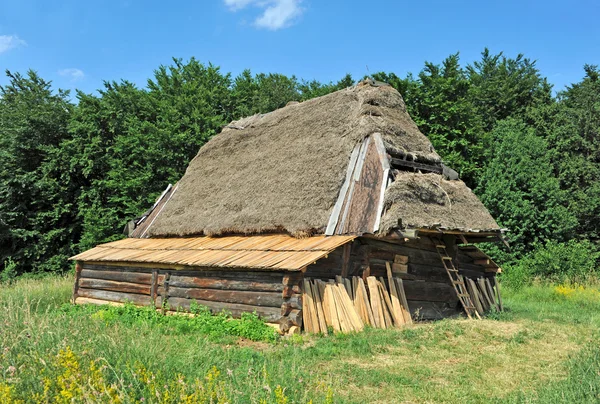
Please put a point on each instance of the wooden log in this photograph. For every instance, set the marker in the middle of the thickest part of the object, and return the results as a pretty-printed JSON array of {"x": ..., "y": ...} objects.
[
  {"x": 115, "y": 286},
  {"x": 140, "y": 300},
  {"x": 295, "y": 317},
  {"x": 270, "y": 285},
  {"x": 154, "y": 286},
  {"x": 120, "y": 276},
  {"x": 482, "y": 262},
  {"x": 266, "y": 299},
  {"x": 292, "y": 278},
  {"x": 269, "y": 314}
]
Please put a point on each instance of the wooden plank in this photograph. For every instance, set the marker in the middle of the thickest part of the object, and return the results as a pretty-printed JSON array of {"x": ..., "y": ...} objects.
[
  {"x": 376, "y": 303},
  {"x": 403, "y": 300},
  {"x": 319, "y": 307},
  {"x": 474, "y": 296},
  {"x": 348, "y": 306},
  {"x": 335, "y": 213},
  {"x": 121, "y": 276},
  {"x": 331, "y": 303},
  {"x": 399, "y": 163},
  {"x": 491, "y": 293},
  {"x": 361, "y": 208},
  {"x": 115, "y": 286},
  {"x": 401, "y": 259},
  {"x": 366, "y": 303},
  {"x": 388, "y": 309},
  {"x": 397, "y": 309},
  {"x": 400, "y": 268},
  {"x": 497, "y": 284}
]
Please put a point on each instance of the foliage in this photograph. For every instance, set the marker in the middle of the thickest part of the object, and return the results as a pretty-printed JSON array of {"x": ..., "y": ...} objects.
[
  {"x": 574, "y": 262},
  {"x": 215, "y": 327},
  {"x": 47, "y": 352},
  {"x": 520, "y": 192},
  {"x": 37, "y": 226},
  {"x": 73, "y": 174}
]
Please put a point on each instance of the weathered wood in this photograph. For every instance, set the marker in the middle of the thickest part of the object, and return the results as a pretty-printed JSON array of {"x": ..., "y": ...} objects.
[
  {"x": 331, "y": 305},
  {"x": 115, "y": 286},
  {"x": 400, "y": 259},
  {"x": 140, "y": 300},
  {"x": 402, "y": 164},
  {"x": 431, "y": 291},
  {"x": 400, "y": 268},
  {"x": 311, "y": 320},
  {"x": 335, "y": 213},
  {"x": 345, "y": 260},
  {"x": 317, "y": 295},
  {"x": 267, "y": 299},
  {"x": 78, "y": 270},
  {"x": 361, "y": 208},
  {"x": 497, "y": 284},
  {"x": 482, "y": 262},
  {"x": 226, "y": 284},
  {"x": 295, "y": 317},
  {"x": 402, "y": 295},
  {"x": 269, "y": 314},
  {"x": 154, "y": 286},
  {"x": 376, "y": 305},
  {"x": 397, "y": 307},
  {"x": 292, "y": 279}
]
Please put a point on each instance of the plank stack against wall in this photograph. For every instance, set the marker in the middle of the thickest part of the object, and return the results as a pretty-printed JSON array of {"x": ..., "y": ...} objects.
[
  {"x": 348, "y": 304},
  {"x": 485, "y": 294}
]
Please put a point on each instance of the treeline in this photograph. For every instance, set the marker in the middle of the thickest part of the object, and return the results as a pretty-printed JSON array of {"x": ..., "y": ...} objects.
[{"x": 73, "y": 173}]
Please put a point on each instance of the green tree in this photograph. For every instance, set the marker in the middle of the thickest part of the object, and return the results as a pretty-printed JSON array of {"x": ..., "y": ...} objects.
[
  {"x": 521, "y": 192},
  {"x": 37, "y": 208}
]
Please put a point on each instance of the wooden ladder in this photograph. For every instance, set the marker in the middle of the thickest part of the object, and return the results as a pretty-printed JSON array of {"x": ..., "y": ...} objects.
[{"x": 457, "y": 280}]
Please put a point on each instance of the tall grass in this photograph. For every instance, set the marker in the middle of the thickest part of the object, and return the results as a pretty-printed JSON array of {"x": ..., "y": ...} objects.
[{"x": 49, "y": 354}]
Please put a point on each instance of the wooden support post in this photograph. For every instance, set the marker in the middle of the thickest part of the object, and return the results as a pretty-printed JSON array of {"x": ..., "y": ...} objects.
[
  {"x": 78, "y": 269},
  {"x": 165, "y": 296},
  {"x": 154, "y": 287}
]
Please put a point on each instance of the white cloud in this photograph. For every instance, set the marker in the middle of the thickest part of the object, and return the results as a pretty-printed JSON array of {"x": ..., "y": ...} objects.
[
  {"x": 276, "y": 14},
  {"x": 8, "y": 42},
  {"x": 72, "y": 73}
]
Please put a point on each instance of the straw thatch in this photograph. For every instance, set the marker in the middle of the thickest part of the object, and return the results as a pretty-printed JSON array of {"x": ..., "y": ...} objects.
[
  {"x": 282, "y": 171},
  {"x": 429, "y": 201}
]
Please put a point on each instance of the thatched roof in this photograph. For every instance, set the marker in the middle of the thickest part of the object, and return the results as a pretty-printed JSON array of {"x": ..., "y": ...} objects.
[
  {"x": 429, "y": 201},
  {"x": 283, "y": 171}
]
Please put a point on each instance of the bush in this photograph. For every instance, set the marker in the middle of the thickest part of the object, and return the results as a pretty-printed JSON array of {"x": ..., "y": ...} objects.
[{"x": 570, "y": 262}]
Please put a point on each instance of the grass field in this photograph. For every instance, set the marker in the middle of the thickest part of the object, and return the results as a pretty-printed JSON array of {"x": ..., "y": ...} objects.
[{"x": 544, "y": 348}]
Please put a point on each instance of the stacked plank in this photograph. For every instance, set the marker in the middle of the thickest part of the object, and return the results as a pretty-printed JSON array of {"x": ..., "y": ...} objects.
[
  {"x": 350, "y": 304},
  {"x": 485, "y": 294}
]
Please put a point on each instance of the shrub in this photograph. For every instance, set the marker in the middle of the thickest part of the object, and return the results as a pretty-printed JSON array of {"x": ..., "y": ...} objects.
[{"x": 570, "y": 262}]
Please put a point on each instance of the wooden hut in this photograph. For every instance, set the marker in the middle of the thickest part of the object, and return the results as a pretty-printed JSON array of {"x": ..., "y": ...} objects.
[{"x": 342, "y": 185}]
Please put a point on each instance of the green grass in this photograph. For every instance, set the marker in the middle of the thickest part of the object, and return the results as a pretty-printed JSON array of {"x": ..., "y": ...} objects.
[{"x": 541, "y": 349}]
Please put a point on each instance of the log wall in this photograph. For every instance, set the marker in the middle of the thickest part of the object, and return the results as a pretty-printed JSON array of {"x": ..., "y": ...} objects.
[
  {"x": 274, "y": 296},
  {"x": 429, "y": 292}
]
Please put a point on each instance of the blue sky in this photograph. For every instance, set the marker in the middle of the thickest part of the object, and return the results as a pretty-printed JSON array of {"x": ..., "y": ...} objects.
[{"x": 78, "y": 44}]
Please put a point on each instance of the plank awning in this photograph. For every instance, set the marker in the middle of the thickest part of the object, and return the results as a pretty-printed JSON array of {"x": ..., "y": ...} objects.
[{"x": 266, "y": 252}]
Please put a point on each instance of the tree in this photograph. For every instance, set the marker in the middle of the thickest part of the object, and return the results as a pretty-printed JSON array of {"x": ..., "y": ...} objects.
[
  {"x": 520, "y": 191},
  {"x": 36, "y": 196}
]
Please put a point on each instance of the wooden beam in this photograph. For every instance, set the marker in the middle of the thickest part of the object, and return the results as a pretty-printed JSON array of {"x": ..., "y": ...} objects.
[{"x": 399, "y": 163}]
